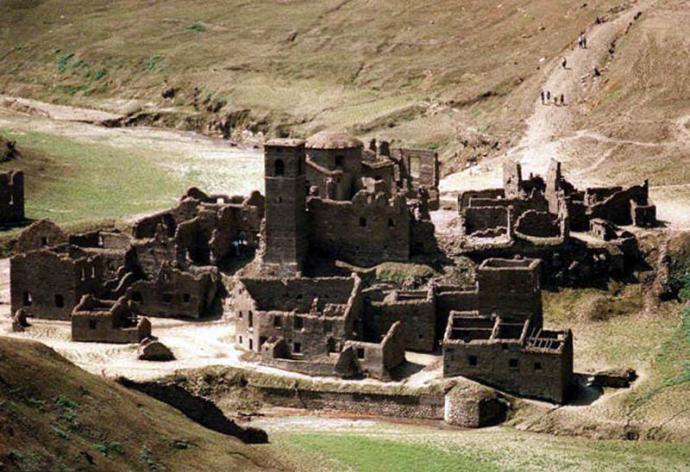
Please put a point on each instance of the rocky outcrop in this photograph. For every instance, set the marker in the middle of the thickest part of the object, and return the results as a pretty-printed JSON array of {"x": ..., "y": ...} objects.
[
  {"x": 154, "y": 350},
  {"x": 614, "y": 378}
]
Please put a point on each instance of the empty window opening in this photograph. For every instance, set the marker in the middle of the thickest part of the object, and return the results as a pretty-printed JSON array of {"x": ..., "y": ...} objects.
[
  {"x": 251, "y": 344},
  {"x": 59, "y": 301},
  {"x": 167, "y": 298},
  {"x": 537, "y": 366},
  {"x": 391, "y": 223},
  {"x": 93, "y": 324},
  {"x": 362, "y": 222},
  {"x": 277, "y": 321},
  {"x": 136, "y": 296},
  {"x": 299, "y": 322},
  {"x": 262, "y": 340},
  {"x": 26, "y": 299},
  {"x": 504, "y": 347},
  {"x": 240, "y": 338},
  {"x": 44, "y": 241},
  {"x": 297, "y": 348},
  {"x": 472, "y": 360},
  {"x": 279, "y": 167},
  {"x": 513, "y": 363},
  {"x": 251, "y": 319},
  {"x": 186, "y": 297},
  {"x": 339, "y": 161},
  {"x": 240, "y": 314},
  {"x": 360, "y": 353}
]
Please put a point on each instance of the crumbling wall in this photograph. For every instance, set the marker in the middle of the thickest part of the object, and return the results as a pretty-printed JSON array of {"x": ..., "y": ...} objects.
[
  {"x": 510, "y": 289},
  {"x": 539, "y": 224},
  {"x": 40, "y": 234},
  {"x": 418, "y": 319},
  {"x": 176, "y": 294},
  {"x": 49, "y": 283},
  {"x": 367, "y": 231},
  {"x": 486, "y": 221},
  {"x": 531, "y": 372},
  {"x": 11, "y": 197}
]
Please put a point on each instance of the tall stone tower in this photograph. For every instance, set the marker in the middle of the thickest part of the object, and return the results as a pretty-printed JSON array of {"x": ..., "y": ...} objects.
[{"x": 286, "y": 219}]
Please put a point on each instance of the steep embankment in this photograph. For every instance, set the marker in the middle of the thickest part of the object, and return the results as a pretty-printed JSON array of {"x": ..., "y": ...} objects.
[
  {"x": 412, "y": 71},
  {"x": 55, "y": 416}
]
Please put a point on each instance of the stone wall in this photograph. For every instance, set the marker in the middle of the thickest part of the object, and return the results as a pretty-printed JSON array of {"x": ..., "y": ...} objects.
[
  {"x": 417, "y": 316},
  {"x": 486, "y": 221},
  {"x": 176, "y": 294},
  {"x": 49, "y": 283},
  {"x": 11, "y": 197},
  {"x": 510, "y": 288},
  {"x": 40, "y": 234},
  {"x": 366, "y": 231}
]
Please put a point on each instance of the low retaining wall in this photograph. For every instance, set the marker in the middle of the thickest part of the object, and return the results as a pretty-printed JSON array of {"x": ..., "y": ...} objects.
[{"x": 424, "y": 406}]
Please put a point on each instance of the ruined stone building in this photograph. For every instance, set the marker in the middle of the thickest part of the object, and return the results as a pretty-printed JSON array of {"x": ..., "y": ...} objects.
[
  {"x": 11, "y": 197},
  {"x": 502, "y": 342},
  {"x": 48, "y": 283},
  {"x": 311, "y": 325},
  {"x": 511, "y": 355},
  {"x": 551, "y": 220},
  {"x": 321, "y": 200},
  {"x": 167, "y": 266},
  {"x": 107, "y": 321},
  {"x": 544, "y": 212}
]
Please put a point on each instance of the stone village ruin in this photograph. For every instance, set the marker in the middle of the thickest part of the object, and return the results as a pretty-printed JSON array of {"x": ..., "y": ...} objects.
[{"x": 285, "y": 267}]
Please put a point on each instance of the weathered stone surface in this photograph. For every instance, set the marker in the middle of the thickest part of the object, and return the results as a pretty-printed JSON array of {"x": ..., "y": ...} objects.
[
  {"x": 473, "y": 406},
  {"x": 154, "y": 350}
]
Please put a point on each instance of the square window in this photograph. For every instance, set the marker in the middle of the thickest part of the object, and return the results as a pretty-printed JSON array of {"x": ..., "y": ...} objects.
[
  {"x": 472, "y": 360},
  {"x": 513, "y": 363},
  {"x": 59, "y": 301},
  {"x": 297, "y": 348},
  {"x": 360, "y": 353},
  {"x": 277, "y": 321},
  {"x": 93, "y": 324},
  {"x": 299, "y": 322},
  {"x": 537, "y": 366}
]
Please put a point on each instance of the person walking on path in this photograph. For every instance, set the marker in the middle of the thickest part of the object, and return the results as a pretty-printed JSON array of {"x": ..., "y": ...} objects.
[
  {"x": 563, "y": 99},
  {"x": 564, "y": 63},
  {"x": 542, "y": 97},
  {"x": 548, "y": 96}
]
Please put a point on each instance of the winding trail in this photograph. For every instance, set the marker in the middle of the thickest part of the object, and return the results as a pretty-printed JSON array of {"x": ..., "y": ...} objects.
[{"x": 550, "y": 132}]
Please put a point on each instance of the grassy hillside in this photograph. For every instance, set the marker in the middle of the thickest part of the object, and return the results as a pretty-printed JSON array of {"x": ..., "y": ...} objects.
[
  {"x": 412, "y": 71},
  {"x": 54, "y": 416}
]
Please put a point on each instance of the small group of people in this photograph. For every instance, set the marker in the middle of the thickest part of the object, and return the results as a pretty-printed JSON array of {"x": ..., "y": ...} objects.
[{"x": 557, "y": 99}]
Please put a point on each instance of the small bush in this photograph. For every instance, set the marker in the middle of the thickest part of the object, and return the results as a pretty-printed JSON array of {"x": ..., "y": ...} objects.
[
  {"x": 63, "y": 61},
  {"x": 106, "y": 448},
  {"x": 197, "y": 26},
  {"x": 153, "y": 62}
]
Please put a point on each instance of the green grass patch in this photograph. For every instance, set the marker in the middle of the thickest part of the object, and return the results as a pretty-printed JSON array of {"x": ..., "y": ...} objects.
[
  {"x": 197, "y": 26},
  {"x": 75, "y": 183},
  {"x": 153, "y": 62},
  {"x": 363, "y": 453}
]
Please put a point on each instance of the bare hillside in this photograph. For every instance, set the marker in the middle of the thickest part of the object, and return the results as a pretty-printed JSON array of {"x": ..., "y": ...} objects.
[
  {"x": 55, "y": 416},
  {"x": 416, "y": 72}
]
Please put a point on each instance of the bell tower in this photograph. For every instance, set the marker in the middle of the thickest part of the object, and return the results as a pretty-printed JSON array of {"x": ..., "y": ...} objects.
[{"x": 286, "y": 217}]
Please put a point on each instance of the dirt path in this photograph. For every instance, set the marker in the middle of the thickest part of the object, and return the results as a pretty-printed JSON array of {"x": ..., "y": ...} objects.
[{"x": 550, "y": 131}]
